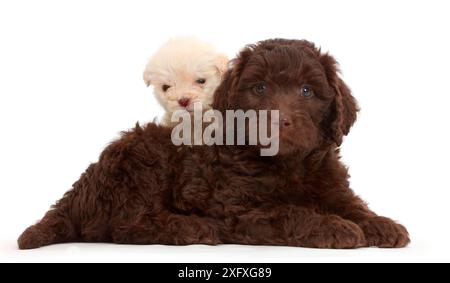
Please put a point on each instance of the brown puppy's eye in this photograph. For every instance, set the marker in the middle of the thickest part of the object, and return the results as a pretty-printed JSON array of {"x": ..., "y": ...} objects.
[
  {"x": 260, "y": 88},
  {"x": 306, "y": 91},
  {"x": 165, "y": 87},
  {"x": 200, "y": 81}
]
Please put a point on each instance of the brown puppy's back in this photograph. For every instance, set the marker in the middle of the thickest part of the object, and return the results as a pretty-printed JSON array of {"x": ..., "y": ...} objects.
[{"x": 101, "y": 198}]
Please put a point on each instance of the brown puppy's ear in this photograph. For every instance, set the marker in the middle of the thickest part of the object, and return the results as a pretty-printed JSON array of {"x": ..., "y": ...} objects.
[
  {"x": 343, "y": 108},
  {"x": 223, "y": 96}
]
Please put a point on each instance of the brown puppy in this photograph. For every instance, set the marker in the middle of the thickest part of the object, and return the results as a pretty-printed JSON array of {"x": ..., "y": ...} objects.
[{"x": 144, "y": 190}]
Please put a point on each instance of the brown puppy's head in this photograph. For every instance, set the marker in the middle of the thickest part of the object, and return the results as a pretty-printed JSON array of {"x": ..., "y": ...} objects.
[{"x": 294, "y": 77}]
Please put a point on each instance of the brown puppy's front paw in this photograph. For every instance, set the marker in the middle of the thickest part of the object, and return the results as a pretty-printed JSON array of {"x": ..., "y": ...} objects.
[
  {"x": 336, "y": 233},
  {"x": 384, "y": 233}
]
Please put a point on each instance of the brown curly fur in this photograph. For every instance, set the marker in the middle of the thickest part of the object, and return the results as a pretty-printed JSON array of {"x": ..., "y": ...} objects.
[{"x": 145, "y": 190}]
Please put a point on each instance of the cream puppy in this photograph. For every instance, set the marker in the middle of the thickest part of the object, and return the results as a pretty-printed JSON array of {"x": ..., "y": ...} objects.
[{"x": 184, "y": 71}]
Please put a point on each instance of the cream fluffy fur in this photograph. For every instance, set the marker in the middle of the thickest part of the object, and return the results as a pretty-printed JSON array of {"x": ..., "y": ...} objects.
[{"x": 179, "y": 64}]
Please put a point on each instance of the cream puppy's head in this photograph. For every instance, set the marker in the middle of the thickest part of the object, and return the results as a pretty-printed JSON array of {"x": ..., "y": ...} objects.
[{"x": 185, "y": 71}]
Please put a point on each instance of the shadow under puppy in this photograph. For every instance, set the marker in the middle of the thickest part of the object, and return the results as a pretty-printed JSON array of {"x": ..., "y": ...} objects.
[{"x": 144, "y": 190}]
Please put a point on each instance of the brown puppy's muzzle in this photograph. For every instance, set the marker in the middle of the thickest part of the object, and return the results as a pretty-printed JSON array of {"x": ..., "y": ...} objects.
[{"x": 285, "y": 121}]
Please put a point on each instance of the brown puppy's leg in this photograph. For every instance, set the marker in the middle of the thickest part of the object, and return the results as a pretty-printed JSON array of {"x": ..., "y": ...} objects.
[
  {"x": 379, "y": 231},
  {"x": 55, "y": 227},
  {"x": 384, "y": 232},
  {"x": 295, "y": 226},
  {"x": 169, "y": 229}
]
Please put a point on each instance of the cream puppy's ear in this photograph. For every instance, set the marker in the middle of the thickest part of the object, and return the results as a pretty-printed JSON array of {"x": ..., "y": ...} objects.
[
  {"x": 146, "y": 77},
  {"x": 221, "y": 63}
]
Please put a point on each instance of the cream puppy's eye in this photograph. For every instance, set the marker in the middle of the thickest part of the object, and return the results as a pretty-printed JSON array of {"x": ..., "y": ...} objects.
[
  {"x": 201, "y": 81},
  {"x": 165, "y": 87}
]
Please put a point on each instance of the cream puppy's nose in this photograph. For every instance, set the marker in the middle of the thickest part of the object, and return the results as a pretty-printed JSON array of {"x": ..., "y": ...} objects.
[{"x": 184, "y": 101}]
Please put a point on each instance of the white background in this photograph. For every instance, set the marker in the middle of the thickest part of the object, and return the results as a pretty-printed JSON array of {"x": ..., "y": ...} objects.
[{"x": 71, "y": 79}]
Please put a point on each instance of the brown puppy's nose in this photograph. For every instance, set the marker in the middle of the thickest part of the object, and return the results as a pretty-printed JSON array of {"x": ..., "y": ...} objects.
[
  {"x": 285, "y": 120},
  {"x": 184, "y": 101}
]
